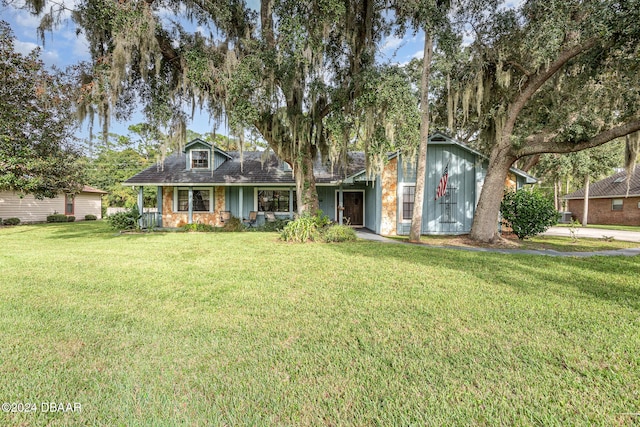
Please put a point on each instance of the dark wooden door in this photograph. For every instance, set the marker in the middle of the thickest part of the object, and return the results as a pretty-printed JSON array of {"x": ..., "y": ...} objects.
[{"x": 353, "y": 207}]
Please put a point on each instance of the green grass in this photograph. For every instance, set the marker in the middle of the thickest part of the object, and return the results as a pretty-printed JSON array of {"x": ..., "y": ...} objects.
[
  {"x": 607, "y": 227},
  {"x": 240, "y": 329}
]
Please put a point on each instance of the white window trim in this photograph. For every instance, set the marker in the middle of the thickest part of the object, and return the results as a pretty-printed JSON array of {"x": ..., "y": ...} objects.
[
  {"x": 208, "y": 159},
  {"x": 401, "y": 201},
  {"x": 613, "y": 204},
  {"x": 211, "y": 199},
  {"x": 364, "y": 203},
  {"x": 255, "y": 198}
]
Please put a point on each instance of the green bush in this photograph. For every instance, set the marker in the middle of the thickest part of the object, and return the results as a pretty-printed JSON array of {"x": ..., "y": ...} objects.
[
  {"x": 198, "y": 227},
  {"x": 90, "y": 217},
  {"x": 339, "y": 233},
  {"x": 71, "y": 218},
  {"x": 57, "y": 218},
  {"x": 305, "y": 228},
  {"x": 529, "y": 213},
  {"x": 11, "y": 221},
  {"x": 276, "y": 225},
  {"x": 127, "y": 220}
]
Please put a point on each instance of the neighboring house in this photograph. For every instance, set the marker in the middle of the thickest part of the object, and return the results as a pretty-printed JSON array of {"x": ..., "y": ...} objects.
[
  {"x": 30, "y": 209},
  {"x": 197, "y": 184},
  {"x": 609, "y": 202}
]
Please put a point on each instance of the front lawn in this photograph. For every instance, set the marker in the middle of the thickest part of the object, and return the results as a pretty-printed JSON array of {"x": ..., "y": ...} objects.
[{"x": 239, "y": 329}]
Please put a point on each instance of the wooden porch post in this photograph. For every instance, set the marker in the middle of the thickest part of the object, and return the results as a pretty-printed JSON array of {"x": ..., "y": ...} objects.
[
  {"x": 340, "y": 205},
  {"x": 159, "y": 206},
  {"x": 141, "y": 206},
  {"x": 241, "y": 203},
  {"x": 190, "y": 220},
  {"x": 291, "y": 202}
]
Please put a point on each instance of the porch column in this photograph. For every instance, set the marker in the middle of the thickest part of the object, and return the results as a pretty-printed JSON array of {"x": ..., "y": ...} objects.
[
  {"x": 141, "y": 206},
  {"x": 340, "y": 205},
  {"x": 240, "y": 203},
  {"x": 190, "y": 220},
  {"x": 159, "y": 206},
  {"x": 291, "y": 203}
]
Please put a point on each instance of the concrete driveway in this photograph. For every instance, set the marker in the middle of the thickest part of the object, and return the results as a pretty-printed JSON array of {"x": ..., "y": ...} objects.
[{"x": 595, "y": 233}]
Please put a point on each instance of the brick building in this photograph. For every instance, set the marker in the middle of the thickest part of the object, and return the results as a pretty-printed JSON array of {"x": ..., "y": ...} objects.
[{"x": 609, "y": 201}]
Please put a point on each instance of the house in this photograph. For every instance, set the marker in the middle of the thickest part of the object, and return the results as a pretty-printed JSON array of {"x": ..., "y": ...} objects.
[
  {"x": 609, "y": 202},
  {"x": 198, "y": 183},
  {"x": 29, "y": 209}
]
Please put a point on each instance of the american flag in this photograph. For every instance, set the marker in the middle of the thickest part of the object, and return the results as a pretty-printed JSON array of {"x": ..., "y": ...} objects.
[{"x": 442, "y": 186}]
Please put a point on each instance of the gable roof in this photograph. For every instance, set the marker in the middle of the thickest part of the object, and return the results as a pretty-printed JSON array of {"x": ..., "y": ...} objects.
[
  {"x": 254, "y": 169},
  {"x": 613, "y": 186},
  {"x": 89, "y": 189}
]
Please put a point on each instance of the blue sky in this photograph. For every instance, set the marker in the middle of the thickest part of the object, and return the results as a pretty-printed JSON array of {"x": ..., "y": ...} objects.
[{"x": 63, "y": 47}]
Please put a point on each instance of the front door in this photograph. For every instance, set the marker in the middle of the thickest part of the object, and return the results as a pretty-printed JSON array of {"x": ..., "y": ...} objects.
[{"x": 353, "y": 207}]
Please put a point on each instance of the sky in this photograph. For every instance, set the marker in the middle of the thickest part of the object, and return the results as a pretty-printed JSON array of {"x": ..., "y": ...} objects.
[{"x": 63, "y": 47}]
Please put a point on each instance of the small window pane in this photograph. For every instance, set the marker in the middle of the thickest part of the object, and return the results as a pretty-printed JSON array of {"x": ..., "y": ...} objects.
[
  {"x": 616, "y": 204},
  {"x": 201, "y": 200},
  {"x": 199, "y": 159},
  {"x": 275, "y": 201},
  {"x": 408, "y": 198},
  {"x": 68, "y": 205}
]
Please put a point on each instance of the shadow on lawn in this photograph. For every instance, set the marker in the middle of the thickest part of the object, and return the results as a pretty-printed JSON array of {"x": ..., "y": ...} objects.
[{"x": 606, "y": 278}]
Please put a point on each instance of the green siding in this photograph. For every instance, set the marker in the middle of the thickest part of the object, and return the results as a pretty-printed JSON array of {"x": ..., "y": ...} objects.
[
  {"x": 218, "y": 159},
  {"x": 372, "y": 206}
]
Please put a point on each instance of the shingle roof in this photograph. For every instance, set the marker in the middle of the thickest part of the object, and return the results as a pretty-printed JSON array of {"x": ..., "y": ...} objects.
[
  {"x": 253, "y": 169},
  {"x": 89, "y": 189},
  {"x": 613, "y": 186}
]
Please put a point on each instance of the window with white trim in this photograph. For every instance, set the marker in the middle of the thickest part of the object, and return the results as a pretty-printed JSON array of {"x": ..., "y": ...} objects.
[
  {"x": 616, "y": 204},
  {"x": 199, "y": 159},
  {"x": 202, "y": 199},
  {"x": 275, "y": 200},
  {"x": 408, "y": 199}
]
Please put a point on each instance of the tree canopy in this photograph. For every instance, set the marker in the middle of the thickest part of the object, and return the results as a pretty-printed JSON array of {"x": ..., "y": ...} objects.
[{"x": 37, "y": 122}]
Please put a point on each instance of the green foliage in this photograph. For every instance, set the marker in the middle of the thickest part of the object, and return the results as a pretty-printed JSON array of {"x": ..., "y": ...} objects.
[
  {"x": 11, "y": 221},
  {"x": 197, "y": 227},
  {"x": 528, "y": 212},
  {"x": 276, "y": 225},
  {"x": 71, "y": 218},
  {"x": 37, "y": 125},
  {"x": 233, "y": 224},
  {"x": 306, "y": 228},
  {"x": 339, "y": 233},
  {"x": 127, "y": 220},
  {"x": 57, "y": 218},
  {"x": 90, "y": 217}
]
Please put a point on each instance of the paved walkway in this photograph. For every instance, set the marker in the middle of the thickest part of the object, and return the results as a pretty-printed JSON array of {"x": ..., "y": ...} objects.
[
  {"x": 595, "y": 233},
  {"x": 368, "y": 235}
]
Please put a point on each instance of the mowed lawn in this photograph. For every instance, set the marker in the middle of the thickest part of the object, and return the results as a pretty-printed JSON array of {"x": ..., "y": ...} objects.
[{"x": 166, "y": 329}]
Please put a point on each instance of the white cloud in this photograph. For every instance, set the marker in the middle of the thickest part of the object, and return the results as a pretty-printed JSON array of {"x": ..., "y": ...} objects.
[
  {"x": 418, "y": 55},
  {"x": 24, "y": 48},
  {"x": 391, "y": 42}
]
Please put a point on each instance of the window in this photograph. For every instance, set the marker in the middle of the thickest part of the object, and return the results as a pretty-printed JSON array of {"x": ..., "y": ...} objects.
[
  {"x": 408, "y": 198},
  {"x": 275, "y": 201},
  {"x": 616, "y": 205},
  {"x": 201, "y": 200},
  {"x": 69, "y": 204},
  {"x": 199, "y": 159}
]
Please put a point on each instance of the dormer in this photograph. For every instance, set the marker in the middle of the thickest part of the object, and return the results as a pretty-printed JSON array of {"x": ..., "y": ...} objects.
[{"x": 202, "y": 156}]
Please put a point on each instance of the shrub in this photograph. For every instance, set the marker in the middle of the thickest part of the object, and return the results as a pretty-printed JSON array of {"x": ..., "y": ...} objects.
[
  {"x": 127, "y": 220},
  {"x": 90, "y": 217},
  {"x": 198, "y": 227},
  {"x": 528, "y": 212},
  {"x": 71, "y": 218},
  {"x": 233, "y": 224},
  {"x": 339, "y": 233},
  {"x": 11, "y": 221},
  {"x": 276, "y": 225},
  {"x": 57, "y": 218},
  {"x": 305, "y": 228}
]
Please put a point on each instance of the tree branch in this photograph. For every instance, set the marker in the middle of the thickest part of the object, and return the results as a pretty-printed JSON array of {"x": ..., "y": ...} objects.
[{"x": 547, "y": 142}]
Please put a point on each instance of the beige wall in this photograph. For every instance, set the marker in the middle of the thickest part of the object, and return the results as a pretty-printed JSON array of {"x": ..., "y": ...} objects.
[
  {"x": 30, "y": 209},
  {"x": 388, "y": 224}
]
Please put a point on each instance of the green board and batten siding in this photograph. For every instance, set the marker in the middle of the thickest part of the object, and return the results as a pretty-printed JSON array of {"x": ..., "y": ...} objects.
[{"x": 451, "y": 214}]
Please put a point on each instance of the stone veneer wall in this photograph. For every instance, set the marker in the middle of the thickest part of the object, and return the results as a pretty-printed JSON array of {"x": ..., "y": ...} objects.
[
  {"x": 389, "y": 184},
  {"x": 178, "y": 219}
]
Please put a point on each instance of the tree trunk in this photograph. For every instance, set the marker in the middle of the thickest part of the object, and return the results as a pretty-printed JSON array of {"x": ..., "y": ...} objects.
[
  {"x": 556, "y": 195},
  {"x": 306, "y": 193},
  {"x": 585, "y": 208},
  {"x": 485, "y": 221},
  {"x": 418, "y": 205}
]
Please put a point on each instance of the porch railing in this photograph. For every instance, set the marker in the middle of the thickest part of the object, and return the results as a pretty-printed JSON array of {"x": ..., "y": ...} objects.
[{"x": 150, "y": 220}]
